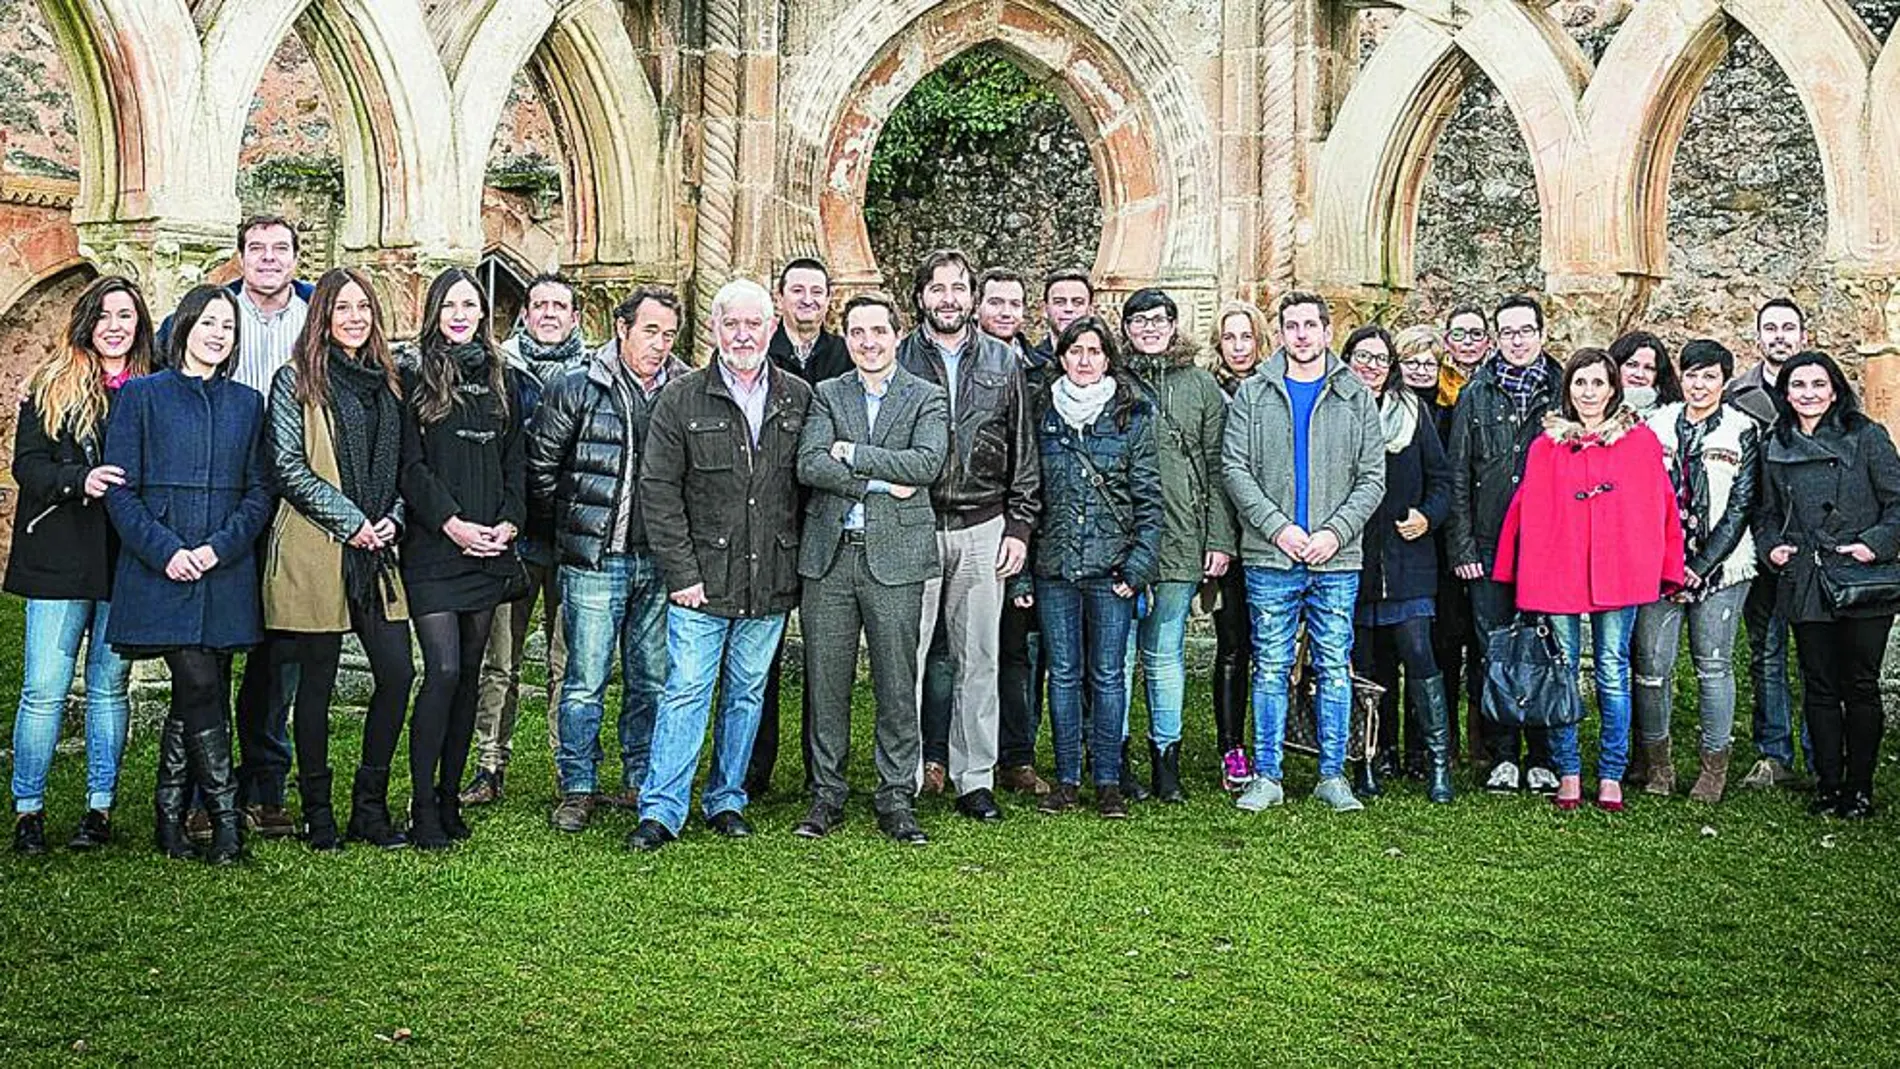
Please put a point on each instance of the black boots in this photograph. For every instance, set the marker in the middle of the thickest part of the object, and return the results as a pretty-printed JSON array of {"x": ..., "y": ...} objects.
[
  {"x": 319, "y": 816},
  {"x": 1131, "y": 783},
  {"x": 369, "y": 810},
  {"x": 1166, "y": 763},
  {"x": 174, "y": 787},
  {"x": 1365, "y": 777},
  {"x": 208, "y": 756},
  {"x": 1428, "y": 699},
  {"x": 425, "y": 823},
  {"x": 448, "y": 809}
]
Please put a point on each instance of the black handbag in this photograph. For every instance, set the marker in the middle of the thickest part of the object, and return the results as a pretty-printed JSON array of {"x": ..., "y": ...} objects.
[
  {"x": 1528, "y": 679},
  {"x": 1855, "y": 589}
]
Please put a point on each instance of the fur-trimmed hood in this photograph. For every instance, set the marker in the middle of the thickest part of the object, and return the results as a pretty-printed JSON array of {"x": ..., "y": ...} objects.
[
  {"x": 1569, "y": 432},
  {"x": 1182, "y": 352}
]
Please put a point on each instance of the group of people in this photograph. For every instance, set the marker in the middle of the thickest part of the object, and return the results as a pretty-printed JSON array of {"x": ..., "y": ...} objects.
[{"x": 992, "y": 519}]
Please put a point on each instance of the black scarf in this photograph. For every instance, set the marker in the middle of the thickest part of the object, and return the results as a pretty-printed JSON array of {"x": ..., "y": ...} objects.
[{"x": 368, "y": 454}]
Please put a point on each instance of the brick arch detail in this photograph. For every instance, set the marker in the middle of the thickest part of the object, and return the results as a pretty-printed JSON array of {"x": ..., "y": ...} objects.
[{"x": 1153, "y": 158}]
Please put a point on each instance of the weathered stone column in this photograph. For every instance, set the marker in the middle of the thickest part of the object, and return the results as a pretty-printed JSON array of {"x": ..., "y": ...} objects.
[
  {"x": 166, "y": 258},
  {"x": 1591, "y": 310}
]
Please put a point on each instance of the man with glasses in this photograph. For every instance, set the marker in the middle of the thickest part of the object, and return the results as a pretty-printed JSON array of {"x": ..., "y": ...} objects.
[
  {"x": 1500, "y": 412},
  {"x": 1780, "y": 334}
]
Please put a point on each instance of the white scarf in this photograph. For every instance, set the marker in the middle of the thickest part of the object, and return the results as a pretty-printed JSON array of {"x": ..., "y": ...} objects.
[
  {"x": 1079, "y": 405},
  {"x": 1398, "y": 417}
]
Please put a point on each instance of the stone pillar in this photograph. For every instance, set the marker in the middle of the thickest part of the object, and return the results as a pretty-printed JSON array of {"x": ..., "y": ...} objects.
[
  {"x": 165, "y": 258},
  {"x": 1874, "y": 295},
  {"x": 1591, "y": 310}
]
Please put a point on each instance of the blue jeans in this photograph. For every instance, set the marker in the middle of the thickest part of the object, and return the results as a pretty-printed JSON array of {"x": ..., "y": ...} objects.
[
  {"x": 1085, "y": 632},
  {"x": 53, "y": 632},
  {"x": 619, "y": 606},
  {"x": 1768, "y": 674},
  {"x": 1610, "y": 653},
  {"x": 1280, "y": 599},
  {"x": 702, "y": 650},
  {"x": 1161, "y": 639}
]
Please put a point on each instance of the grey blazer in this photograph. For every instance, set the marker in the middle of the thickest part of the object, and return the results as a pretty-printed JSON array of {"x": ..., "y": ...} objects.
[{"x": 907, "y": 448}]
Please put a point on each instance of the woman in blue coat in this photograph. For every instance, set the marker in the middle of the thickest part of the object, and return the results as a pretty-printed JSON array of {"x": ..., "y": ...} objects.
[{"x": 194, "y": 500}]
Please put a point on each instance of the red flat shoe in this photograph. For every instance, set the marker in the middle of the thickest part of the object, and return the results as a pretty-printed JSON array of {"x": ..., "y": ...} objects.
[
  {"x": 1608, "y": 805},
  {"x": 1566, "y": 804}
]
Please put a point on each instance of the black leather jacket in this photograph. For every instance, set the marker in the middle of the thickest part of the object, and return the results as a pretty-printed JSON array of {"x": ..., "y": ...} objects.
[
  {"x": 993, "y": 469},
  {"x": 1489, "y": 443},
  {"x": 318, "y": 500},
  {"x": 580, "y": 447}
]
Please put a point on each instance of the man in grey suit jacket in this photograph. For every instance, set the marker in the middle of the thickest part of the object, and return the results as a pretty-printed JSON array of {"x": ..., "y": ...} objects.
[{"x": 871, "y": 440}]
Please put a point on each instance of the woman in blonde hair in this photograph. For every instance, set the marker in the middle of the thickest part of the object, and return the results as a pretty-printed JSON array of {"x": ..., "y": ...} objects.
[
  {"x": 1239, "y": 331},
  {"x": 64, "y": 552}
]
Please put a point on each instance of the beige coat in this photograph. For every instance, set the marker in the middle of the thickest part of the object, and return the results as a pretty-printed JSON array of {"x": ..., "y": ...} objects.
[{"x": 303, "y": 564}]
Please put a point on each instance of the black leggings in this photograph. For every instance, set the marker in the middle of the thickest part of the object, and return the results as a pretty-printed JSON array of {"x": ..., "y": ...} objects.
[
  {"x": 1379, "y": 652},
  {"x": 1840, "y": 683},
  {"x": 201, "y": 688},
  {"x": 386, "y": 643},
  {"x": 444, "y": 724}
]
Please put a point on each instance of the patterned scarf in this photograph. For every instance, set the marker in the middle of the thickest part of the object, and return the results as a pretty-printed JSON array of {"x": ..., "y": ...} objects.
[
  {"x": 368, "y": 454},
  {"x": 565, "y": 351},
  {"x": 1521, "y": 384}
]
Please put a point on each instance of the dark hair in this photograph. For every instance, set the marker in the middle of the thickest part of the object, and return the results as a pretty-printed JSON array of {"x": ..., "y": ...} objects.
[
  {"x": 999, "y": 274},
  {"x": 1781, "y": 302},
  {"x": 801, "y": 263},
  {"x": 873, "y": 299},
  {"x": 936, "y": 259},
  {"x": 439, "y": 375},
  {"x": 1123, "y": 401},
  {"x": 1148, "y": 299},
  {"x": 1845, "y": 412},
  {"x": 1068, "y": 274},
  {"x": 1583, "y": 358},
  {"x": 263, "y": 221},
  {"x": 1370, "y": 330},
  {"x": 311, "y": 355},
  {"x": 1668, "y": 386},
  {"x": 1522, "y": 300},
  {"x": 190, "y": 310},
  {"x": 92, "y": 304},
  {"x": 1295, "y": 298},
  {"x": 554, "y": 278},
  {"x": 629, "y": 310},
  {"x": 1465, "y": 308},
  {"x": 1702, "y": 352}
]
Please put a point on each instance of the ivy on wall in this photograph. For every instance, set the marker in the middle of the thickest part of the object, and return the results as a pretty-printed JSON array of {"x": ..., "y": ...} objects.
[{"x": 978, "y": 104}]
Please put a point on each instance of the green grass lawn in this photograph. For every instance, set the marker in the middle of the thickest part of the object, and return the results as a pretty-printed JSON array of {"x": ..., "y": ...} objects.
[{"x": 1493, "y": 931}]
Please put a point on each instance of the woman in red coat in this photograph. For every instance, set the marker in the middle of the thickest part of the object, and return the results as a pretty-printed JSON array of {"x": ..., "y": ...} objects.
[{"x": 1595, "y": 520}]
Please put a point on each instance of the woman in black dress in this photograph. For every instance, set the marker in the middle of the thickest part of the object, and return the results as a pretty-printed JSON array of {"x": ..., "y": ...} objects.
[{"x": 463, "y": 487}]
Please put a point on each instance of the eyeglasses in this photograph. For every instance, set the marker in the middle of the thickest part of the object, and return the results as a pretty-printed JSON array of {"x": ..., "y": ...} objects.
[
  {"x": 1515, "y": 333},
  {"x": 1419, "y": 365},
  {"x": 1149, "y": 321},
  {"x": 1465, "y": 334},
  {"x": 1370, "y": 358}
]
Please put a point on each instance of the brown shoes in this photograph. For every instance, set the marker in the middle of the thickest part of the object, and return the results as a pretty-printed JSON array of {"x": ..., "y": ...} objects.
[
  {"x": 934, "y": 777},
  {"x": 270, "y": 821},
  {"x": 1713, "y": 779},
  {"x": 574, "y": 813},
  {"x": 484, "y": 789},
  {"x": 1662, "y": 769},
  {"x": 1023, "y": 780},
  {"x": 627, "y": 798}
]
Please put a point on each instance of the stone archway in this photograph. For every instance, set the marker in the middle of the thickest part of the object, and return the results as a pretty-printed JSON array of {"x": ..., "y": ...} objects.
[{"x": 1148, "y": 132}]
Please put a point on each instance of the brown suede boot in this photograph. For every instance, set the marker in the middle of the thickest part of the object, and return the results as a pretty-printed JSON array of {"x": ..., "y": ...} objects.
[
  {"x": 1662, "y": 772},
  {"x": 1713, "y": 780}
]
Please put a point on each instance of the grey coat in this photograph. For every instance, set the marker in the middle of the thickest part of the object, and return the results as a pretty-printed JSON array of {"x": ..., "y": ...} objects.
[
  {"x": 1346, "y": 463},
  {"x": 906, "y": 448}
]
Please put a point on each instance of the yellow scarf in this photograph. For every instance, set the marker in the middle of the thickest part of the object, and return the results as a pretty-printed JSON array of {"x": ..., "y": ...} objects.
[{"x": 1451, "y": 382}]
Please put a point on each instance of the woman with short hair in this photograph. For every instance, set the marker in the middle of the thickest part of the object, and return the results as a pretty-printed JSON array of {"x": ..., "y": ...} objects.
[
  {"x": 1829, "y": 511},
  {"x": 64, "y": 553},
  {"x": 1398, "y": 584},
  {"x": 1711, "y": 450}
]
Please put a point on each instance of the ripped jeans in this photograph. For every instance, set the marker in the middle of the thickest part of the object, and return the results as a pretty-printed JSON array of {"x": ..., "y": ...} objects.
[{"x": 1713, "y": 623}]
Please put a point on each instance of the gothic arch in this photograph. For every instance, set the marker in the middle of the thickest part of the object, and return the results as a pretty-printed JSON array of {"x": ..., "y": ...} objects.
[{"x": 1149, "y": 134}]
